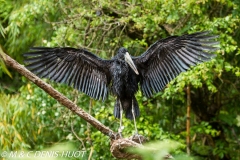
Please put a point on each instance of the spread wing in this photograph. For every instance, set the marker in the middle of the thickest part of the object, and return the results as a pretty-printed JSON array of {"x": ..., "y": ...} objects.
[
  {"x": 75, "y": 67},
  {"x": 167, "y": 58}
]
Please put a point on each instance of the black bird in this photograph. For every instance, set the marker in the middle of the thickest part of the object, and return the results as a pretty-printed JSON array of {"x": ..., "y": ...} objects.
[{"x": 154, "y": 69}]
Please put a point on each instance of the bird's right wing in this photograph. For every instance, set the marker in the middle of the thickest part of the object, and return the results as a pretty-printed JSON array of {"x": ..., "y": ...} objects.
[{"x": 75, "y": 67}]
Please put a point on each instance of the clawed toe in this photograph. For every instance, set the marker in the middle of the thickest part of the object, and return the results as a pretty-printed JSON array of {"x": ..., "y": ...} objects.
[
  {"x": 138, "y": 138},
  {"x": 115, "y": 136}
]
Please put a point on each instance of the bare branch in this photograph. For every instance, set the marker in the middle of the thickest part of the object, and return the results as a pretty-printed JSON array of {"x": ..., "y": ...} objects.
[
  {"x": 117, "y": 144},
  {"x": 75, "y": 134},
  {"x": 56, "y": 95}
]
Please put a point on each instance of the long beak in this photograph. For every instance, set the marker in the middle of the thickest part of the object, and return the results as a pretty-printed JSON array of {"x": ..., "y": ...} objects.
[{"x": 128, "y": 59}]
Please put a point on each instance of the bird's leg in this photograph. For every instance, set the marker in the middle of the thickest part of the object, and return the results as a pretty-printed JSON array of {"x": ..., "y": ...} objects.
[
  {"x": 135, "y": 124},
  {"x": 134, "y": 120},
  {"x": 121, "y": 127}
]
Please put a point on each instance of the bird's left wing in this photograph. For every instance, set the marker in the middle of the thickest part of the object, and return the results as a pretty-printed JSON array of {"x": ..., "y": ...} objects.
[
  {"x": 75, "y": 67},
  {"x": 167, "y": 58}
]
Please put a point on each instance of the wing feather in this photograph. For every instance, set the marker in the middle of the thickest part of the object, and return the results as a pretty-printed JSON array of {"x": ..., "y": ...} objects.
[
  {"x": 159, "y": 79},
  {"x": 155, "y": 83},
  {"x": 91, "y": 86},
  {"x": 74, "y": 78},
  {"x": 60, "y": 72},
  {"x": 175, "y": 70},
  {"x": 167, "y": 58},
  {"x": 94, "y": 87},
  {"x": 190, "y": 57},
  {"x": 75, "y": 67}
]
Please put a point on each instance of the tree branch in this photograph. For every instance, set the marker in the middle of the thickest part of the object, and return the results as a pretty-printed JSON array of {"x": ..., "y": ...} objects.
[
  {"x": 188, "y": 119},
  {"x": 117, "y": 144},
  {"x": 56, "y": 95}
]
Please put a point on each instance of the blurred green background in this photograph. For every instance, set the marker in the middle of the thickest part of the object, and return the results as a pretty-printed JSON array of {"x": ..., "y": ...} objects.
[{"x": 32, "y": 120}]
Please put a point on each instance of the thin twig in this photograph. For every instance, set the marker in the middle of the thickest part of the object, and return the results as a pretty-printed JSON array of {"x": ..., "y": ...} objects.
[
  {"x": 88, "y": 125},
  {"x": 90, "y": 154},
  {"x": 77, "y": 136},
  {"x": 188, "y": 119}
]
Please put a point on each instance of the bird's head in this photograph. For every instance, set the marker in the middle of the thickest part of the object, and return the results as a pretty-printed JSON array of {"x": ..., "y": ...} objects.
[{"x": 124, "y": 55}]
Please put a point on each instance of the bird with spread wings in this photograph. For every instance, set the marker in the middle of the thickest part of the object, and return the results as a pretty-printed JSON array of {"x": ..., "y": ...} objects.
[{"x": 121, "y": 75}]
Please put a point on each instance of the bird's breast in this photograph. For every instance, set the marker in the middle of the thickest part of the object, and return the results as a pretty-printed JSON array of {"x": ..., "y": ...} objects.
[{"x": 124, "y": 80}]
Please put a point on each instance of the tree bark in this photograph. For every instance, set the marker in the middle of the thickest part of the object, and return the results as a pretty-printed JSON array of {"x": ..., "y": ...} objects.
[
  {"x": 118, "y": 145},
  {"x": 56, "y": 95}
]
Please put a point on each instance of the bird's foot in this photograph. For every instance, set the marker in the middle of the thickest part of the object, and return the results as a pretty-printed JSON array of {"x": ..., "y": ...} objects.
[
  {"x": 115, "y": 135},
  {"x": 112, "y": 135},
  {"x": 138, "y": 138}
]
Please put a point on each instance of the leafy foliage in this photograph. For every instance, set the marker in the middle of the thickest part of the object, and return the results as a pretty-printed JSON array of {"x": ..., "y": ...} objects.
[{"x": 30, "y": 119}]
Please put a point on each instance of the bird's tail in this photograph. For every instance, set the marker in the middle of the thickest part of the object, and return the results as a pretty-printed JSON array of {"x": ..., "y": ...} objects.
[{"x": 127, "y": 107}]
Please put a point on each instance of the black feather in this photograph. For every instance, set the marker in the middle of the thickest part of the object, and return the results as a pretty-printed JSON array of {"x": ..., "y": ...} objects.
[{"x": 162, "y": 62}]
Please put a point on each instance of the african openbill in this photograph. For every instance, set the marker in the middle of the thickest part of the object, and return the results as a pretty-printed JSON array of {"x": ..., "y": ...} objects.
[{"x": 154, "y": 69}]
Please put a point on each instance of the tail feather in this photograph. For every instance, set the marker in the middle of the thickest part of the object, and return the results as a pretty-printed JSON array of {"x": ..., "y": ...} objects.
[
  {"x": 127, "y": 108},
  {"x": 128, "y": 111},
  {"x": 116, "y": 111}
]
